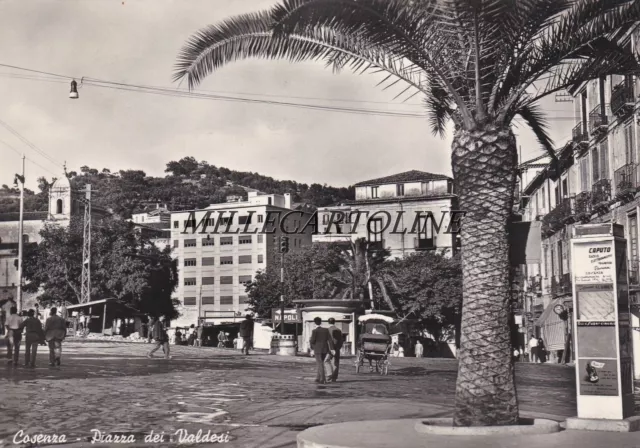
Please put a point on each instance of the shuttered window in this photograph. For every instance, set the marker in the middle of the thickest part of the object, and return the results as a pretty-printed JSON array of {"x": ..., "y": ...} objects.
[
  {"x": 244, "y": 279},
  {"x": 208, "y": 261},
  {"x": 244, "y": 259},
  {"x": 226, "y": 280},
  {"x": 189, "y": 301},
  {"x": 226, "y": 300},
  {"x": 208, "y": 300},
  {"x": 208, "y": 280}
]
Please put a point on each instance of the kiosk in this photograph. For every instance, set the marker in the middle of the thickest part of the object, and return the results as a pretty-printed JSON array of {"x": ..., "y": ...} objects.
[{"x": 604, "y": 368}]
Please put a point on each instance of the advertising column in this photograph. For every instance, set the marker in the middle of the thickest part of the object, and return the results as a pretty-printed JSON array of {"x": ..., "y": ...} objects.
[{"x": 601, "y": 318}]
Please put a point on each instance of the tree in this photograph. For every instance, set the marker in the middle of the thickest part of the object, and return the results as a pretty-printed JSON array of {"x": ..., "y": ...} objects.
[
  {"x": 476, "y": 63},
  {"x": 426, "y": 286},
  {"x": 124, "y": 265},
  {"x": 316, "y": 271}
]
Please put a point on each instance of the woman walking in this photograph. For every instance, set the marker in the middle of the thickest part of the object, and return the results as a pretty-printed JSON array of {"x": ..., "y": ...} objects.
[{"x": 55, "y": 330}]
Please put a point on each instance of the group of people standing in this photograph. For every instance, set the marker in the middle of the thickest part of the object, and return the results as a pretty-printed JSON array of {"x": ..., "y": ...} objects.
[
  {"x": 52, "y": 333},
  {"x": 536, "y": 350},
  {"x": 326, "y": 344}
]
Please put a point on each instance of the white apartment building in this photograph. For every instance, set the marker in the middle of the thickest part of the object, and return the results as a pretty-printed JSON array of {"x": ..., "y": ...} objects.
[
  {"x": 418, "y": 202},
  {"x": 159, "y": 213},
  {"x": 215, "y": 264}
]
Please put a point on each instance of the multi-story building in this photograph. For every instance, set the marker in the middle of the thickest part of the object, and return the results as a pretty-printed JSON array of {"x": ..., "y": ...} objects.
[
  {"x": 157, "y": 214},
  {"x": 215, "y": 264},
  {"x": 598, "y": 181},
  {"x": 418, "y": 202}
]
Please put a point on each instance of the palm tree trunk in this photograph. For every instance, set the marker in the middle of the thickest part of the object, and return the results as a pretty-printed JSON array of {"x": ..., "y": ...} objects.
[{"x": 484, "y": 165}]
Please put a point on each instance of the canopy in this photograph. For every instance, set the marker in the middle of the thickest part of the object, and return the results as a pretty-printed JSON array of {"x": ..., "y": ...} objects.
[{"x": 374, "y": 317}]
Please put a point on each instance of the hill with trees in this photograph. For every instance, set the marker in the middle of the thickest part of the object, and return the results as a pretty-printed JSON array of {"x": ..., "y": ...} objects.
[{"x": 188, "y": 184}]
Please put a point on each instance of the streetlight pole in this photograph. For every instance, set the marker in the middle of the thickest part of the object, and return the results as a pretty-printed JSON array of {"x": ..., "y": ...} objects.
[
  {"x": 282, "y": 296},
  {"x": 20, "y": 237}
]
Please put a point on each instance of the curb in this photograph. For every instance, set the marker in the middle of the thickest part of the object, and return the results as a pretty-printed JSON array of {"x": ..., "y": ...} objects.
[
  {"x": 631, "y": 424},
  {"x": 444, "y": 427}
]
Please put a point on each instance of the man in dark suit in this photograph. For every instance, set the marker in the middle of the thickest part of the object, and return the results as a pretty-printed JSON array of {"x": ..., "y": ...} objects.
[
  {"x": 336, "y": 335},
  {"x": 322, "y": 345},
  {"x": 246, "y": 333}
]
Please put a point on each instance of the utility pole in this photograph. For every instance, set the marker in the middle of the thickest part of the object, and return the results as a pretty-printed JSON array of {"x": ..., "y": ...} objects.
[
  {"x": 86, "y": 248},
  {"x": 284, "y": 248},
  {"x": 20, "y": 237}
]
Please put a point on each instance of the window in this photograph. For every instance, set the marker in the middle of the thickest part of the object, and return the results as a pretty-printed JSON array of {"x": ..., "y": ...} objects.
[
  {"x": 226, "y": 240},
  {"x": 544, "y": 204},
  {"x": 189, "y": 262},
  {"x": 189, "y": 223},
  {"x": 269, "y": 201},
  {"x": 226, "y": 260},
  {"x": 190, "y": 243},
  {"x": 261, "y": 238},
  {"x": 176, "y": 243},
  {"x": 210, "y": 222},
  {"x": 584, "y": 174},
  {"x": 244, "y": 219},
  {"x": 374, "y": 192},
  {"x": 142, "y": 218},
  {"x": 595, "y": 164},
  {"x": 604, "y": 160},
  {"x": 546, "y": 264},
  {"x": 325, "y": 219},
  {"x": 244, "y": 279},
  {"x": 226, "y": 280},
  {"x": 208, "y": 300},
  {"x": 260, "y": 258},
  {"x": 244, "y": 259},
  {"x": 190, "y": 281},
  {"x": 565, "y": 188},
  {"x": 426, "y": 238},
  {"x": 226, "y": 300},
  {"x": 189, "y": 301},
  {"x": 176, "y": 224},
  {"x": 556, "y": 193},
  {"x": 260, "y": 218},
  {"x": 59, "y": 206},
  {"x": 208, "y": 280},
  {"x": 629, "y": 146},
  {"x": 246, "y": 239},
  {"x": 226, "y": 221},
  {"x": 560, "y": 270},
  {"x": 374, "y": 230},
  {"x": 244, "y": 299},
  {"x": 208, "y": 242},
  {"x": 400, "y": 190}
]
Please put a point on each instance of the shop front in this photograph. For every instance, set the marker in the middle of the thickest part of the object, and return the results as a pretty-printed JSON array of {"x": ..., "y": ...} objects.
[{"x": 345, "y": 312}]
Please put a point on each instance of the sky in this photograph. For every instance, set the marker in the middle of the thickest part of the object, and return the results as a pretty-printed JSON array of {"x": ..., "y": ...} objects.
[{"x": 136, "y": 42}]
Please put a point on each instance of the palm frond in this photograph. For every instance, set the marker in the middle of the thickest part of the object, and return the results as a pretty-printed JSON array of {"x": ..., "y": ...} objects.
[{"x": 535, "y": 119}]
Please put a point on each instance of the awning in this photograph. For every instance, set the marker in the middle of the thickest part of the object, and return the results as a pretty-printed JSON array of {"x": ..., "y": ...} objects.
[{"x": 548, "y": 311}]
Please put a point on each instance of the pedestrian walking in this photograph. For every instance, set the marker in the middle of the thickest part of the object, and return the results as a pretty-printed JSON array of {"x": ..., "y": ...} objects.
[
  {"x": 246, "y": 333},
  {"x": 55, "y": 330},
  {"x": 542, "y": 351},
  {"x": 199, "y": 331},
  {"x": 161, "y": 338},
  {"x": 321, "y": 343},
  {"x": 533, "y": 349},
  {"x": 338, "y": 340},
  {"x": 419, "y": 350},
  {"x": 5, "y": 312},
  {"x": 14, "y": 335},
  {"x": 34, "y": 335}
]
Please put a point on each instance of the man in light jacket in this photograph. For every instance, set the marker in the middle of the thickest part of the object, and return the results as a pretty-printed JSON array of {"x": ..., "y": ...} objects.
[{"x": 55, "y": 330}]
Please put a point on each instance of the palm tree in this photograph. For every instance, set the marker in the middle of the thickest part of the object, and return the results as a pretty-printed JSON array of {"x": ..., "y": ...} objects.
[{"x": 478, "y": 64}]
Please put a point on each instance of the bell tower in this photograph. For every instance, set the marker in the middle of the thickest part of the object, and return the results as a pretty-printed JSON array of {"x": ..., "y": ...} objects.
[{"x": 60, "y": 202}]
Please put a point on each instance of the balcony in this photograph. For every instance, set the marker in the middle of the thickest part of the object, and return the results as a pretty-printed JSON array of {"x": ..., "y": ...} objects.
[
  {"x": 598, "y": 122},
  {"x": 626, "y": 180},
  {"x": 561, "y": 285},
  {"x": 601, "y": 192},
  {"x": 634, "y": 273},
  {"x": 376, "y": 245},
  {"x": 622, "y": 100},
  {"x": 424, "y": 243},
  {"x": 580, "y": 135},
  {"x": 582, "y": 206},
  {"x": 557, "y": 218}
]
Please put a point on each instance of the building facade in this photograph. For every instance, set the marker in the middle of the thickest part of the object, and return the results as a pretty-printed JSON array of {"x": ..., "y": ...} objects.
[
  {"x": 215, "y": 264},
  {"x": 415, "y": 201},
  {"x": 597, "y": 180}
]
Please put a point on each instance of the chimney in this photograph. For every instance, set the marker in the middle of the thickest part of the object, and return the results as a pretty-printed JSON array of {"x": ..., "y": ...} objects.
[{"x": 287, "y": 200}]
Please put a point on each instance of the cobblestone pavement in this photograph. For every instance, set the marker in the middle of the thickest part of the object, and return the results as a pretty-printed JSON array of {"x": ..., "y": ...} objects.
[{"x": 260, "y": 400}]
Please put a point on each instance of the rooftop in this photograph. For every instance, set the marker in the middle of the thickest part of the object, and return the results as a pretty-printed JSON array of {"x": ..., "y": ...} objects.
[{"x": 407, "y": 176}]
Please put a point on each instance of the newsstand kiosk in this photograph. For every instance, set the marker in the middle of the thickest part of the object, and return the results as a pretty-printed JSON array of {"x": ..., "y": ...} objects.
[{"x": 604, "y": 368}]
